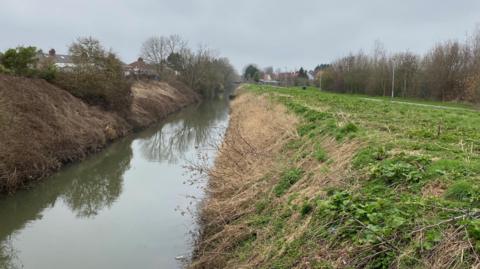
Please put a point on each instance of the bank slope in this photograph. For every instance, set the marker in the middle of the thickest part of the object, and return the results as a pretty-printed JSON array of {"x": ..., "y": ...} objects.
[
  {"x": 338, "y": 181},
  {"x": 42, "y": 127}
]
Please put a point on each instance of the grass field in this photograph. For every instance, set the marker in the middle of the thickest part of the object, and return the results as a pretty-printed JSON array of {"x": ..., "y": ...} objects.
[{"x": 369, "y": 184}]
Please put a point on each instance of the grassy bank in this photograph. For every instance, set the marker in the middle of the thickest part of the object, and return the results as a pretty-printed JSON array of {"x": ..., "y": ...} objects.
[
  {"x": 307, "y": 179},
  {"x": 43, "y": 127}
]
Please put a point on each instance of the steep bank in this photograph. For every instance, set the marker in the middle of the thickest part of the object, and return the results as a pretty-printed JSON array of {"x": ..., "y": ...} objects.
[
  {"x": 338, "y": 181},
  {"x": 42, "y": 127},
  {"x": 257, "y": 132}
]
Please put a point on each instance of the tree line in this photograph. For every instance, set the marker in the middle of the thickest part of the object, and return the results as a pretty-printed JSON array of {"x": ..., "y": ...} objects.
[
  {"x": 449, "y": 71},
  {"x": 200, "y": 69},
  {"x": 97, "y": 75}
]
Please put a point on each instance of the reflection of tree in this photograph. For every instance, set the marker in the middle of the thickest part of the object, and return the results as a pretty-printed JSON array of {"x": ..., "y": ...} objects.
[
  {"x": 97, "y": 183},
  {"x": 195, "y": 125},
  {"x": 86, "y": 188},
  {"x": 7, "y": 255}
]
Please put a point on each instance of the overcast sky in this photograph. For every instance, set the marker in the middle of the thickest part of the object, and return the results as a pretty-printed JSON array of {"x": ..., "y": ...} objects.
[{"x": 279, "y": 33}]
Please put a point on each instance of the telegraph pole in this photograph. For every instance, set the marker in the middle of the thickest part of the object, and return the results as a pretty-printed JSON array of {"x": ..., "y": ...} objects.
[{"x": 393, "y": 79}]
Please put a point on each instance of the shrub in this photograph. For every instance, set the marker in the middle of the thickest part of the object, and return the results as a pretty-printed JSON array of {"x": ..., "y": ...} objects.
[
  {"x": 97, "y": 77},
  {"x": 19, "y": 61},
  {"x": 4, "y": 70},
  {"x": 48, "y": 72}
]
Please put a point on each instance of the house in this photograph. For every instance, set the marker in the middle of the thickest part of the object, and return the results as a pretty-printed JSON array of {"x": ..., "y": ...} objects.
[
  {"x": 286, "y": 76},
  {"x": 267, "y": 79},
  {"x": 140, "y": 68},
  {"x": 61, "y": 61}
]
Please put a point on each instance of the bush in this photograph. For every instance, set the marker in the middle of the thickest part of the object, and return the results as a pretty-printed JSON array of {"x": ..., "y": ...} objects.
[
  {"x": 19, "y": 61},
  {"x": 97, "y": 77},
  {"x": 4, "y": 70},
  {"x": 48, "y": 72}
]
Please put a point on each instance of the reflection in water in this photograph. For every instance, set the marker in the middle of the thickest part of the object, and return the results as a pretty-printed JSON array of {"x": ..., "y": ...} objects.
[
  {"x": 7, "y": 255},
  {"x": 86, "y": 188},
  {"x": 195, "y": 125},
  {"x": 97, "y": 183}
]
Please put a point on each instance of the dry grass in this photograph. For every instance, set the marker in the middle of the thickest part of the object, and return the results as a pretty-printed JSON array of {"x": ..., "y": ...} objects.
[
  {"x": 447, "y": 253},
  {"x": 257, "y": 132},
  {"x": 246, "y": 170},
  {"x": 434, "y": 188},
  {"x": 154, "y": 100},
  {"x": 44, "y": 127}
]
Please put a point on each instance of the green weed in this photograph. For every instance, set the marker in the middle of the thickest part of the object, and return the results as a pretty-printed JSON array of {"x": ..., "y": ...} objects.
[{"x": 287, "y": 179}]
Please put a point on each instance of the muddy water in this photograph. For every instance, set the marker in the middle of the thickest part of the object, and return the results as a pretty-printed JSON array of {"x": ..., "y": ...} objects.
[{"x": 122, "y": 208}]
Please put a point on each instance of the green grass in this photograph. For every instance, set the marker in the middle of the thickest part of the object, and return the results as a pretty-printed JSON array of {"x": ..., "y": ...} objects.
[
  {"x": 381, "y": 208},
  {"x": 287, "y": 179}
]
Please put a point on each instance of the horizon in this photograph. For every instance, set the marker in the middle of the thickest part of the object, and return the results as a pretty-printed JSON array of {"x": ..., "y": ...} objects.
[{"x": 287, "y": 36}]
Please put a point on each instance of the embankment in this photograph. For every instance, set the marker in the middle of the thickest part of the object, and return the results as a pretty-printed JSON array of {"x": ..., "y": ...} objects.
[
  {"x": 257, "y": 132},
  {"x": 43, "y": 127},
  {"x": 342, "y": 182}
]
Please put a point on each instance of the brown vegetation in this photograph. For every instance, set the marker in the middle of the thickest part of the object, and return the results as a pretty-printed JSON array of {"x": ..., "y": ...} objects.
[
  {"x": 249, "y": 165},
  {"x": 153, "y": 100},
  {"x": 43, "y": 126},
  {"x": 257, "y": 131},
  {"x": 448, "y": 72}
]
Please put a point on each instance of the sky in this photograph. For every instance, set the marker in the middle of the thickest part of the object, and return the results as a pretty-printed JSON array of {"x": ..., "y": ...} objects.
[{"x": 279, "y": 33}]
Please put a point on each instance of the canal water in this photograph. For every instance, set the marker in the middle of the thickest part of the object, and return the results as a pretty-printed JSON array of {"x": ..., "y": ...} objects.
[{"x": 129, "y": 206}]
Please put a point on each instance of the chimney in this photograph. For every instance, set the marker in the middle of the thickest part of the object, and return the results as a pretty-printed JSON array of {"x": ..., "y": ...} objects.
[
  {"x": 140, "y": 59},
  {"x": 51, "y": 52}
]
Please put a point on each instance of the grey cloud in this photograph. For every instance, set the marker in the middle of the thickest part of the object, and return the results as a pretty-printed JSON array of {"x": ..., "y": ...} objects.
[{"x": 280, "y": 33}]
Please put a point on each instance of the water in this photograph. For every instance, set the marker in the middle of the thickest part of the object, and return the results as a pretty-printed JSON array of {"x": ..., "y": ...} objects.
[{"x": 121, "y": 208}]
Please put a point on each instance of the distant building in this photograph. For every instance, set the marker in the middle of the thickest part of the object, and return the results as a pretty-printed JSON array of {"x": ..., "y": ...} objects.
[
  {"x": 61, "y": 61},
  {"x": 269, "y": 82},
  {"x": 311, "y": 75},
  {"x": 138, "y": 67},
  {"x": 142, "y": 69},
  {"x": 286, "y": 76},
  {"x": 267, "y": 79}
]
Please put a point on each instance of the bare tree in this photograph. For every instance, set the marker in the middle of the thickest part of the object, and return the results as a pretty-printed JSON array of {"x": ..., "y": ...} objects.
[
  {"x": 175, "y": 44},
  {"x": 155, "y": 52}
]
